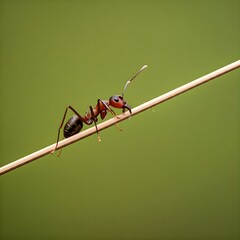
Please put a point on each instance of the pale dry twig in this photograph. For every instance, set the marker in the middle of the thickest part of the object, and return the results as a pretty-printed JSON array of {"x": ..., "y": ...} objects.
[{"x": 115, "y": 120}]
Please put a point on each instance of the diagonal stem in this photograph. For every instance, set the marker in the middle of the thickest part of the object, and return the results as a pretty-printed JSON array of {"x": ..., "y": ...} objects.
[{"x": 122, "y": 117}]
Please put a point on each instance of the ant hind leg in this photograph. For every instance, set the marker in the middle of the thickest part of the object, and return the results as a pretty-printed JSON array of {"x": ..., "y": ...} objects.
[{"x": 61, "y": 125}]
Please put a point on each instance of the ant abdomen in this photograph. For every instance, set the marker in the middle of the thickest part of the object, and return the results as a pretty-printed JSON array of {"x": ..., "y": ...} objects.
[{"x": 72, "y": 127}]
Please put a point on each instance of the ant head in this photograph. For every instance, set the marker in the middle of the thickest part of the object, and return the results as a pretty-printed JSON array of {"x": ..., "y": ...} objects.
[{"x": 118, "y": 101}]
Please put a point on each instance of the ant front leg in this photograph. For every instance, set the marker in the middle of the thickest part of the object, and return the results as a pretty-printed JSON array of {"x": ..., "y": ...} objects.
[{"x": 61, "y": 125}]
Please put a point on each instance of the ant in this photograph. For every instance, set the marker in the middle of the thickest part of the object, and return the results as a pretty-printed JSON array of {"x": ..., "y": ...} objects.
[{"x": 75, "y": 123}]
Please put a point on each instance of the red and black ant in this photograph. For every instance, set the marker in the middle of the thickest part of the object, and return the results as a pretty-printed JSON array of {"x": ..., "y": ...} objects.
[{"x": 75, "y": 123}]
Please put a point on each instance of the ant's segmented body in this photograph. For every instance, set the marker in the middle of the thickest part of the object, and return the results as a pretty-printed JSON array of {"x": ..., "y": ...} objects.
[{"x": 75, "y": 123}]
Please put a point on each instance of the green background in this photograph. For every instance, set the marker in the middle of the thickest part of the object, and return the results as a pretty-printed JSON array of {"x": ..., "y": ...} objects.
[{"x": 171, "y": 174}]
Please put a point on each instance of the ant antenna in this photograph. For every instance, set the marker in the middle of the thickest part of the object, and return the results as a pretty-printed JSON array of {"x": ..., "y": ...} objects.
[{"x": 129, "y": 81}]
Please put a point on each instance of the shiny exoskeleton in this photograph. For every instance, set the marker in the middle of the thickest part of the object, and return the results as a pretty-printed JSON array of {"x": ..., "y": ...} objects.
[{"x": 75, "y": 123}]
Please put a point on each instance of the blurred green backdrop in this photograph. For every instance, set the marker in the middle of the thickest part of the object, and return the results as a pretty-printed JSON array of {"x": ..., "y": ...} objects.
[{"x": 171, "y": 174}]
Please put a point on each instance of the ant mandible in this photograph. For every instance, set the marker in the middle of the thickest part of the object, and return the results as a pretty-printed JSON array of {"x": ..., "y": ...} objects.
[{"x": 75, "y": 123}]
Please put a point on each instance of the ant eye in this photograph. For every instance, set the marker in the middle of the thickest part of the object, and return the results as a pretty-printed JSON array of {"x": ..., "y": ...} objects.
[{"x": 116, "y": 100}]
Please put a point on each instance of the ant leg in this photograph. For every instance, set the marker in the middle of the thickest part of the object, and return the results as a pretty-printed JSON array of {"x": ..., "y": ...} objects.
[
  {"x": 107, "y": 107},
  {"x": 59, "y": 129},
  {"x": 95, "y": 122},
  {"x": 118, "y": 128},
  {"x": 63, "y": 119},
  {"x": 114, "y": 114}
]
